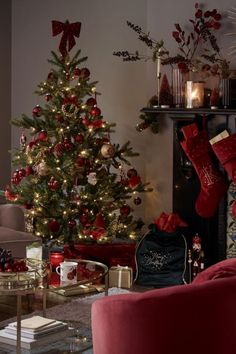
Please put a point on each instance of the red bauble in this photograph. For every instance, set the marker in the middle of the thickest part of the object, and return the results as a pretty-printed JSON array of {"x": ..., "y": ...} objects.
[
  {"x": 37, "y": 111},
  {"x": 80, "y": 161},
  {"x": 125, "y": 210},
  {"x": 84, "y": 73},
  {"x": 50, "y": 76},
  {"x": 54, "y": 226},
  {"x": 42, "y": 136},
  {"x": 48, "y": 96},
  {"x": 79, "y": 138},
  {"x": 68, "y": 144},
  {"x": 83, "y": 219},
  {"x": 77, "y": 72},
  {"x": 134, "y": 181},
  {"x": 95, "y": 112},
  {"x": 29, "y": 170},
  {"x": 234, "y": 209},
  {"x": 22, "y": 173},
  {"x": 132, "y": 172},
  {"x": 53, "y": 184},
  {"x": 71, "y": 223},
  {"x": 91, "y": 102},
  {"x": 137, "y": 201}
]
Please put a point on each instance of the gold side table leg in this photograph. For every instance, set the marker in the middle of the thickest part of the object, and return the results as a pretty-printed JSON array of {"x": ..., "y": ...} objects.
[
  {"x": 44, "y": 301},
  {"x": 18, "y": 333}
]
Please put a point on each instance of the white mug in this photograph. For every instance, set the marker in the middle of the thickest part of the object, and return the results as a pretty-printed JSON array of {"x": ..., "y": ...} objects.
[{"x": 68, "y": 272}]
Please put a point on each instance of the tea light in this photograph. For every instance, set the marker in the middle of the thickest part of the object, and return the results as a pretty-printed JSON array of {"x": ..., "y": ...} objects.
[{"x": 56, "y": 258}]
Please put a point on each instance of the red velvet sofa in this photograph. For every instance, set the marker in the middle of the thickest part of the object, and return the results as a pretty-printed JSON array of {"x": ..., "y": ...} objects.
[{"x": 198, "y": 318}]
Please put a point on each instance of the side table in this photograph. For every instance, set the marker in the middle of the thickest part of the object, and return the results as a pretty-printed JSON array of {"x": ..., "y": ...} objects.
[{"x": 23, "y": 283}]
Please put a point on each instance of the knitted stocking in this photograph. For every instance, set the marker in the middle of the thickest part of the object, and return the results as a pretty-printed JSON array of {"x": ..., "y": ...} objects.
[
  {"x": 213, "y": 185},
  {"x": 225, "y": 151}
]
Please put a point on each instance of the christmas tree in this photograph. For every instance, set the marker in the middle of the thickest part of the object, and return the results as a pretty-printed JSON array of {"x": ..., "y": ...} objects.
[{"x": 69, "y": 176}]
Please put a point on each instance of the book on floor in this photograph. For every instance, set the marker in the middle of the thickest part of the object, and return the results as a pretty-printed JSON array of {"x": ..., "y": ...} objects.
[{"x": 31, "y": 343}]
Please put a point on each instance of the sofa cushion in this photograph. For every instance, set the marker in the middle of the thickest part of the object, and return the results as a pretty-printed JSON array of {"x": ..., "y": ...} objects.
[
  {"x": 16, "y": 241},
  {"x": 223, "y": 269}
]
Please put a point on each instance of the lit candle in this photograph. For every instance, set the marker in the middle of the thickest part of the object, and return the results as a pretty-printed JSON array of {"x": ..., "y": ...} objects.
[{"x": 189, "y": 92}]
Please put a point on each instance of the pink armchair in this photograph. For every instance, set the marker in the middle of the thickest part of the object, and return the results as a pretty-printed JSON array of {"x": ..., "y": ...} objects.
[
  {"x": 12, "y": 230},
  {"x": 195, "y": 318}
]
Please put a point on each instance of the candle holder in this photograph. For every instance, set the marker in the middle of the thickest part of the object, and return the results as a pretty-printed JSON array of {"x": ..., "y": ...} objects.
[
  {"x": 194, "y": 94},
  {"x": 56, "y": 258}
]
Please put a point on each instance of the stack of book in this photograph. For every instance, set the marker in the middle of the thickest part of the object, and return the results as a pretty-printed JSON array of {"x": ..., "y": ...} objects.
[{"x": 36, "y": 331}]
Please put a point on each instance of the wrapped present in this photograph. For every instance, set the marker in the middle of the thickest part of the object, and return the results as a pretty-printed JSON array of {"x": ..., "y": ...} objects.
[{"x": 120, "y": 277}]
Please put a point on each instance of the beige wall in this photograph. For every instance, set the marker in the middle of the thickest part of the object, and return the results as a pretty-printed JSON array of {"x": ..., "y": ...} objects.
[{"x": 5, "y": 91}]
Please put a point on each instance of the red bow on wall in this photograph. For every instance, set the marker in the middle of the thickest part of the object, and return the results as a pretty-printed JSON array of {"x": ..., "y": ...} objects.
[{"x": 70, "y": 30}]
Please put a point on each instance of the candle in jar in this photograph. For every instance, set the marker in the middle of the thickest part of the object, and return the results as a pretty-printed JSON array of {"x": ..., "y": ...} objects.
[{"x": 56, "y": 258}]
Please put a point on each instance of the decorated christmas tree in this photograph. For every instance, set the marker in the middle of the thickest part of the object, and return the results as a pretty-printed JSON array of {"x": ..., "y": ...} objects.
[{"x": 75, "y": 184}]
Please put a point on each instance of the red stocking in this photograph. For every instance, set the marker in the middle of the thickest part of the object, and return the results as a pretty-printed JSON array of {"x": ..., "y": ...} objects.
[
  {"x": 225, "y": 151},
  {"x": 213, "y": 185}
]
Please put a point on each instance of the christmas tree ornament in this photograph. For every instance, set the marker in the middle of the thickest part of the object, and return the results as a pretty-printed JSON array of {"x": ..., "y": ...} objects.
[
  {"x": 107, "y": 150},
  {"x": 59, "y": 149},
  {"x": 137, "y": 200},
  {"x": 69, "y": 31},
  {"x": 95, "y": 112},
  {"x": 91, "y": 102},
  {"x": 77, "y": 72},
  {"x": 79, "y": 138},
  {"x": 22, "y": 172},
  {"x": 134, "y": 181},
  {"x": 69, "y": 109},
  {"x": 132, "y": 173},
  {"x": 225, "y": 150},
  {"x": 48, "y": 97},
  {"x": 71, "y": 223},
  {"x": 42, "y": 136},
  {"x": 125, "y": 210},
  {"x": 37, "y": 111},
  {"x": 213, "y": 184},
  {"x": 23, "y": 140},
  {"x": 50, "y": 77},
  {"x": 81, "y": 161},
  {"x": 42, "y": 169},
  {"x": 53, "y": 226},
  {"x": 68, "y": 145},
  {"x": 53, "y": 184},
  {"x": 29, "y": 170},
  {"x": 84, "y": 74},
  {"x": 92, "y": 178}
]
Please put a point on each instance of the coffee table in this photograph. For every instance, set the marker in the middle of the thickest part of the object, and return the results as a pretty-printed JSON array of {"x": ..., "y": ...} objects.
[{"x": 89, "y": 272}]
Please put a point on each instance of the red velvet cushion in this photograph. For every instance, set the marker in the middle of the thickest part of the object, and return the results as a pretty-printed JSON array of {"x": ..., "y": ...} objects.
[{"x": 223, "y": 269}]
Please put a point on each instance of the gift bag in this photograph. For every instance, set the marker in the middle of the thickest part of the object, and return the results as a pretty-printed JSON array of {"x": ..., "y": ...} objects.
[{"x": 161, "y": 256}]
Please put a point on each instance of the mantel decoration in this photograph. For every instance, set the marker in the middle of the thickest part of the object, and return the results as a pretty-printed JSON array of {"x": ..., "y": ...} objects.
[
  {"x": 198, "y": 56},
  {"x": 75, "y": 184}
]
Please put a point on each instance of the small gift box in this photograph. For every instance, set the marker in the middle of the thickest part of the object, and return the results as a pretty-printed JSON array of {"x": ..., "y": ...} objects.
[{"x": 120, "y": 277}]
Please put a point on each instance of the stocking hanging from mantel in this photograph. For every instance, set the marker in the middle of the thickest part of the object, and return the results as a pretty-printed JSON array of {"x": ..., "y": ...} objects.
[{"x": 213, "y": 184}]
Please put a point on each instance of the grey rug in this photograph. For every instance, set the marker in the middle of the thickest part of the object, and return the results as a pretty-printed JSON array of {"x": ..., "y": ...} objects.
[{"x": 77, "y": 312}]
